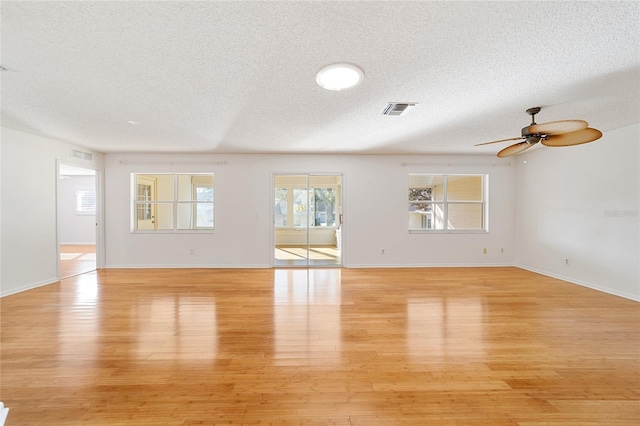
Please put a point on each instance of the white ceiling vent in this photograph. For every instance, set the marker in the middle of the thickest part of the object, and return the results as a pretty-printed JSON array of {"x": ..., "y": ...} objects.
[
  {"x": 83, "y": 155},
  {"x": 398, "y": 108}
]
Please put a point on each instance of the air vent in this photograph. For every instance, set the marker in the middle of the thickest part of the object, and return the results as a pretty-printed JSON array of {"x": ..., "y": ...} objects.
[
  {"x": 83, "y": 155},
  {"x": 398, "y": 108}
]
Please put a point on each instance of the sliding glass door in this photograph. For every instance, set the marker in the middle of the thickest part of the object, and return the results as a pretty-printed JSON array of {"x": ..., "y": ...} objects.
[{"x": 307, "y": 218}]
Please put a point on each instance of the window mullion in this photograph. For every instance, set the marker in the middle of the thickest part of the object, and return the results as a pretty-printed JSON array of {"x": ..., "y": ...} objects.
[{"x": 175, "y": 202}]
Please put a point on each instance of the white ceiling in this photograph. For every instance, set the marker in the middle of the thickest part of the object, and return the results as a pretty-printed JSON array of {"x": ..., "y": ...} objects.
[{"x": 240, "y": 76}]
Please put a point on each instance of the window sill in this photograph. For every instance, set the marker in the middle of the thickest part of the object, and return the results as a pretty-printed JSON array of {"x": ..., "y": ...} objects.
[
  {"x": 448, "y": 231},
  {"x": 173, "y": 231},
  {"x": 304, "y": 228}
]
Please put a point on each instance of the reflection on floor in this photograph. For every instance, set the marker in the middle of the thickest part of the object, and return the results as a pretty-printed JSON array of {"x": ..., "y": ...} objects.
[
  {"x": 300, "y": 256},
  {"x": 77, "y": 259},
  {"x": 492, "y": 346}
]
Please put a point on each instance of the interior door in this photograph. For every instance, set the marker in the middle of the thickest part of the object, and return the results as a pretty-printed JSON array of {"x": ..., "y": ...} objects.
[
  {"x": 146, "y": 211},
  {"x": 307, "y": 220}
]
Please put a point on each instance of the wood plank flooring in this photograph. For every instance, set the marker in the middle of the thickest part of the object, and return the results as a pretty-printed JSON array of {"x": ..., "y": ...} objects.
[
  {"x": 77, "y": 259},
  {"x": 290, "y": 256},
  {"x": 436, "y": 346}
]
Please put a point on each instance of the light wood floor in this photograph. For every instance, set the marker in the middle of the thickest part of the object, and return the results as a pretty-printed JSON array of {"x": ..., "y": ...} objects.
[
  {"x": 77, "y": 259},
  {"x": 316, "y": 255},
  {"x": 468, "y": 346}
]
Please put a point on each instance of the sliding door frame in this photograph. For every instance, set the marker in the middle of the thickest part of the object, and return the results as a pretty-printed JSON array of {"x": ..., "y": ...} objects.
[{"x": 272, "y": 240}]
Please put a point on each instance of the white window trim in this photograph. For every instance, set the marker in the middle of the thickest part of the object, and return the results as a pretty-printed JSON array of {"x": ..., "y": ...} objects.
[
  {"x": 445, "y": 203},
  {"x": 175, "y": 202}
]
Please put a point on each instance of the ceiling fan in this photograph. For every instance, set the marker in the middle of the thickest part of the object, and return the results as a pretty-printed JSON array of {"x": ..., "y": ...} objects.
[{"x": 553, "y": 133}]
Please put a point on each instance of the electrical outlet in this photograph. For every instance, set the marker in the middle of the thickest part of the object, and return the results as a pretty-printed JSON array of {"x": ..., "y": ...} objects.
[
  {"x": 501, "y": 250},
  {"x": 567, "y": 262},
  {"x": 381, "y": 251},
  {"x": 484, "y": 250}
]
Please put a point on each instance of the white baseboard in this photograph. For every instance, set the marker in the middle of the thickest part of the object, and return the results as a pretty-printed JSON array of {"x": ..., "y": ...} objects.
[
  {"x": 78, "y": 244},
  {"x": 590, "y": 285},
  {"x": 183, "y": 266},
  {"x": 430, "y": 265},
  {"x": 30, "y": 286}
]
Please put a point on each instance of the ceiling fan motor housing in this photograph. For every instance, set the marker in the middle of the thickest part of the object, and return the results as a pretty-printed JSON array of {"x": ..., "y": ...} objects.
[
  {"x": 531, "y": 138},
  {"x": 534, "y": 138}
]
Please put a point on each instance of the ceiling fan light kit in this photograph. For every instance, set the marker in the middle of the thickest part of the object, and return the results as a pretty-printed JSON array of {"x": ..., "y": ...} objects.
[{"x": 552, "y": 134}]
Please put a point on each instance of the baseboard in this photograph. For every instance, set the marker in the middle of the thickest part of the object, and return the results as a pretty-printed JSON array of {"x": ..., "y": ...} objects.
[
  {"x": 183, "y": 266},
  {"x": 582, "y": 283},
  {"x": 78, "y": 244},
  {"x": 28, "y": 287},
  {"x": 430, "y": 265}
]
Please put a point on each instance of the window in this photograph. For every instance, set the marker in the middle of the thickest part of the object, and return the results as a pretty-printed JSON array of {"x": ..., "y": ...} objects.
[
  {"x": 85, "y": 201},
  {"x": 172, "y": 202},
  {"x": 447, "y": 202}
]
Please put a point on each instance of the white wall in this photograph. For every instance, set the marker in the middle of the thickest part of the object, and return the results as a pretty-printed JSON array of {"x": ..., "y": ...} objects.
[
  {"x": 29, "y": 243},
  {"x": 1, "y": 216},
  {"x": 375, "y": 211},
  {"x": 75, "y": 228},
  {"x": 581, "y": 203}
]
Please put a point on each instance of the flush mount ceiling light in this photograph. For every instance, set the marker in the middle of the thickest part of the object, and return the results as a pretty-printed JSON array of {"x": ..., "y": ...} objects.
[{"x": 339, "y": 76}]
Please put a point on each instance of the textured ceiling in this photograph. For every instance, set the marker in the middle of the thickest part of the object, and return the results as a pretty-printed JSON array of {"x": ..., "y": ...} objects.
[{"x": 240, "y": 76}]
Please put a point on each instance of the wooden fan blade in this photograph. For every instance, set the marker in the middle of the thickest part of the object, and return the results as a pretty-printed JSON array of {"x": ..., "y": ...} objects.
[
  {"x": 501, "y": 140},
  {"x": 573, "y": 138},
  {"x": 558, "y": 127},
  {"x": 515, "y": 149}
]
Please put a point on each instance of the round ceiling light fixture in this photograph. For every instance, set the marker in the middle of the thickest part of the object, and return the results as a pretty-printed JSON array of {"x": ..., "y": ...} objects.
[{"x": 339, "y": 76}]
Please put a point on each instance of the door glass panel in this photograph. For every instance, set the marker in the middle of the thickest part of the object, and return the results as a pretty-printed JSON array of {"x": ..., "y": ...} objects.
[
  {"x": 324, "y": 206},
  {"x": 307, "y": 220},
  {"x": 281, "y": 207},
  {"x": 291, "y": 220},
  {"x": 324, "y": 232},
  {"x": 300, "y": 207}
]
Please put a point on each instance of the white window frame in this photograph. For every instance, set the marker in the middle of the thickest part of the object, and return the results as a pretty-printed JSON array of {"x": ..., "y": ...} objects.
[
  {"x": 175, "y": 202},
  {"x": 445, "y": 202}
]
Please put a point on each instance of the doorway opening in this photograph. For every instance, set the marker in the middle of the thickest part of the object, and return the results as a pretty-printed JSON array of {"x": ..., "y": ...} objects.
[
  {"x": 77, "y": 221},
  {"x": 307, "y": 220}
]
